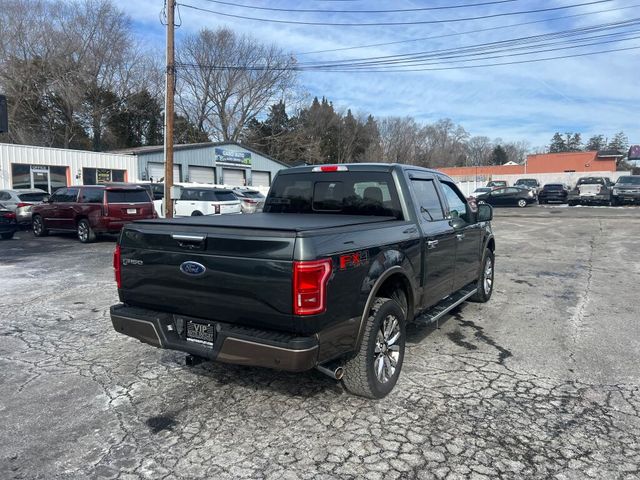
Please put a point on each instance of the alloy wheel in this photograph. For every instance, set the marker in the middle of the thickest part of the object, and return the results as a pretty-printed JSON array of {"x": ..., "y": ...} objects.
[
  {"x": 37, "y": 226},
  {"x": 488, "y": 276},
  {"x": 522, "y": 203},
  {"x": 387, "y": 349},
  {"x": 83, "y": 231}
]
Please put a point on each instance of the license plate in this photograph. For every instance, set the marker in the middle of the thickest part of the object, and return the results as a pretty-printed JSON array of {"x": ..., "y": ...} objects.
[
  {"x": 200, "y": 332},
  {"x": 131, "y": 211}
]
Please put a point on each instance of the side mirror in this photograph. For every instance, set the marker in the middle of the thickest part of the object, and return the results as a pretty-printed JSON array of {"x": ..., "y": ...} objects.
[
  {"x": 457, "y": 223},
  {"x": 485, "y": 212}
]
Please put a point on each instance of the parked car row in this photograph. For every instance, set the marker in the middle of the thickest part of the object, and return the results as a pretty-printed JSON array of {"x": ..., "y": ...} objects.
[
  {"x": 593, "y": 190},
  {"x": 91, "y": 210}
]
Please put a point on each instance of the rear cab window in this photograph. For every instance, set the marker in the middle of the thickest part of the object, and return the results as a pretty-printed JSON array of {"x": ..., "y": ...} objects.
[
  {"x": 128, "y": 196},
  {"x": 342, "y": 193}
]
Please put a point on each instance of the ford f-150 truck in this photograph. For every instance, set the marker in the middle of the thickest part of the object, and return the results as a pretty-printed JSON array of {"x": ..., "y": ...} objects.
[
  {"x": 327, "y": 277},
  {"x": 591, "y": 190}
]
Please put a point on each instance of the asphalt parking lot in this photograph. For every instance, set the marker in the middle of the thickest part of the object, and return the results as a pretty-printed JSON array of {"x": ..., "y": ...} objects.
[{"x": 541, "y": 382}]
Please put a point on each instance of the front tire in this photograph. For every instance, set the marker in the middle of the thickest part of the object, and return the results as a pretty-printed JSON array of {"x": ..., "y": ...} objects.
[
  {"x": 196, "y": 213},
  {"x": 37, "y": 225},
  {"x": 374, "y": 370},
  {"x": 522, "y": 203},
  {"x": 485, "y": 279},
  {"x": 85, "y": 232}
]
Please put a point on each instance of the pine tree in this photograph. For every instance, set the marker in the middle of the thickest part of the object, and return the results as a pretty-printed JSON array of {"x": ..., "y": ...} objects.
[{"x": 557, "y": 144}]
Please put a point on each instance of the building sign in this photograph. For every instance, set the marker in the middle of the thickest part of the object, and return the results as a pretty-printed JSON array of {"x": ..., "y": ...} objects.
[
  {"x": 634, "y": 152},
  {"x": 103, "y": 175},
  {"x": 229, "y": 156}
]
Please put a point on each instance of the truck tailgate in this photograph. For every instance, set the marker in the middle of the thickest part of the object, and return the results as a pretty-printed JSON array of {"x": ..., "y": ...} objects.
[{"x": 223, "y": 274}]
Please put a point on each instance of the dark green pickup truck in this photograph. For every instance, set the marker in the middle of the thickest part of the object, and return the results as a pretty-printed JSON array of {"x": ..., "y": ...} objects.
[{"x": 343, "y": 257}]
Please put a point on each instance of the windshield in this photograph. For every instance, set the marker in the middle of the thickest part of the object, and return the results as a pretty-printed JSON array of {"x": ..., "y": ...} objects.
[
  {"x": 527, "y": 182},
  {"x": 591, "y": 181},
  {"x": 346, "y": 193},
  {"x": 32, "y": 197},
  {"x": 127, "y": 196},
  {"x": 629, "y": 180}
]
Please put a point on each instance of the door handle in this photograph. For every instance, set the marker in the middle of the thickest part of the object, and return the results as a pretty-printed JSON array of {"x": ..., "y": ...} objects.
[
  {"x": 460, "y": 236},
  {"x": 432, "y": 243}
]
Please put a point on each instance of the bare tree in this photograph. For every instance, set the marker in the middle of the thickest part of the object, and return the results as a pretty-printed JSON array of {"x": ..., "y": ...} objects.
[
  {"x": 225, "y": 80},
  {"x": 479, "y": 149}
]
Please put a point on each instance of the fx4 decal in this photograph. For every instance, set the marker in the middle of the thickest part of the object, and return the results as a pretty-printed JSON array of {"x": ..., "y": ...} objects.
[{"x": 354, "y": 259}]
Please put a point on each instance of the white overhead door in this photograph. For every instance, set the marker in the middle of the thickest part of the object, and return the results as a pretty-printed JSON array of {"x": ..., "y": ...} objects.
[
  {"x": 260, "y": 179},
  {"x": 202, "y": 175},
  {"x": 156, "y": 171},
  {"x": 233, "y": 177}
]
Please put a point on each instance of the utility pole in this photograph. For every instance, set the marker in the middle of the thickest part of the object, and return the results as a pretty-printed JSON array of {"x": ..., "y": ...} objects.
[{"x": 168, "y": 110}]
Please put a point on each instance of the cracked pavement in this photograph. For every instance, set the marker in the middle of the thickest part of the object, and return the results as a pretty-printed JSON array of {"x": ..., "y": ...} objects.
[{"x": 541, "y": 382}]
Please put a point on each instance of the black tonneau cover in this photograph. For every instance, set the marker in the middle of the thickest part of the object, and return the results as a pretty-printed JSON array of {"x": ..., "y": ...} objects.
[{"x": 297, "y": 222}]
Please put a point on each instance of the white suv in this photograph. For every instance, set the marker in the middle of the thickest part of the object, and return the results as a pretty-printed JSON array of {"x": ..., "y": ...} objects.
[{"x": 206, "y": 201}]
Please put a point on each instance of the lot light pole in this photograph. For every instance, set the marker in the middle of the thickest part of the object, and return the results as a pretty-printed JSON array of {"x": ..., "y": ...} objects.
[{"x": 168, "y": 110}]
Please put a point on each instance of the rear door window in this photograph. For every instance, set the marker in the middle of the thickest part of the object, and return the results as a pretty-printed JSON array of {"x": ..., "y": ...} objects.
[
  {"x": 92, "y": 195},
  {"x": 128, "y": 196}
]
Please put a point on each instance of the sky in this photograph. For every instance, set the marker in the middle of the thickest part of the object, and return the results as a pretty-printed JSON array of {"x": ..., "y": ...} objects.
[{"x": 597, "y": 94}]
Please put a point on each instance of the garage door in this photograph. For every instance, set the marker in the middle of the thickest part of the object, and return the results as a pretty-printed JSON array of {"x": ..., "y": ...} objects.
[
  {"x": 261, "y": 179},
  {"x": 233, "y": 177},
  {"x": 156, "y": 171},
  {"x": 202, "y": 175}
]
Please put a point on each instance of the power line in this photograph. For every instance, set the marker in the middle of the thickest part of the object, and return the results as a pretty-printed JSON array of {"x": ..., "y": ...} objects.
[
  {"x": 345, "y": 68},
  {"x": 416, "y": 22},
  {"x": 514, "y": 41},
  {"x": 455, "y": 34},
  {"x": 395, "y": 10}
]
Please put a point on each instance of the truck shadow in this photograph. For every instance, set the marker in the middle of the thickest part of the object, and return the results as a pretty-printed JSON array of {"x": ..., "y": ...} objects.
[{"x": 304, "y": 384}]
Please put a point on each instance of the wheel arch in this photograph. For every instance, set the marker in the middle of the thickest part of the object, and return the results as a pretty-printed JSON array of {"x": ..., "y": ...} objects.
[{"x": 393, "y": 279}]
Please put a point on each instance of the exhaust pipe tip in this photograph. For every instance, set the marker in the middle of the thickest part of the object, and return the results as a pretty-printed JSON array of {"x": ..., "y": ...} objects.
[{"x": 334, "y": 372}]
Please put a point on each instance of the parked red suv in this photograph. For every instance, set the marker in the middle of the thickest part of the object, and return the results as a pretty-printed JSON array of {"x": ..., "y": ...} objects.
[{"x": 91, "y": 210}]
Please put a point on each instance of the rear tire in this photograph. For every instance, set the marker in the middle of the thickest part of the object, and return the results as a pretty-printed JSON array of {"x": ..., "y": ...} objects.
[
  {"x": 374, "y": 370},
  {"x": 7, "y": 236},
  {"x": 196, "y": 213},
  {"x": 485, "y": 279},
  {"x": 37, "y": 226},
  {"x": 85, "y": 232}
]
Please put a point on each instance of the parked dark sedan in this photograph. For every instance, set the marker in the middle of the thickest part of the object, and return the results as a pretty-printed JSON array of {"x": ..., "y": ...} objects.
[
  {"x": 508, "y": 197},
  {"x": 553, "y": 192},
  {"x": 8, "y": 223}
]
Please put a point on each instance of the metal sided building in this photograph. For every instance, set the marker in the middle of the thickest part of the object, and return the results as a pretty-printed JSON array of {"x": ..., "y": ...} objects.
[
  {"x": 225, "y": 163},
  {"x": 25, "y": 166}
]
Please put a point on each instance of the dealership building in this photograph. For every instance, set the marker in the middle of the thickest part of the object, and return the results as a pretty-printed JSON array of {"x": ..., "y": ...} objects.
[
  {"x": 226, "y": 163},
  {"x": 24, "y": 166}
]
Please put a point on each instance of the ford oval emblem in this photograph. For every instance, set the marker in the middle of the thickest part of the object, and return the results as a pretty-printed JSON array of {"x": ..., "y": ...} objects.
[{"x": 193, "y": 269}]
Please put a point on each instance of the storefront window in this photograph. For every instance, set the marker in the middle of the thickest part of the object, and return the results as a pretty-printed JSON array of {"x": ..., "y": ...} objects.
[
  {"x": 97, "y": 176},
  {"x": 20, "y": 175},
  {"x": 44, "y": 177}
]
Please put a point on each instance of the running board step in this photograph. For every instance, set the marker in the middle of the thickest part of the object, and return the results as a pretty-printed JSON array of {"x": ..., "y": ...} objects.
[{"x": 436, "y": 312}]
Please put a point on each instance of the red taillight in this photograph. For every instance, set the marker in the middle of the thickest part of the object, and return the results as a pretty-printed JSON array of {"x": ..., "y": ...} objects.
[
  {"x": 9, "y": 215},
  {"x": 217, "y": 209},
  {"x": 23, "y": 205},
  {"x": 309, "y": 286},
  {"x": 117, "y": 265},
  {"x": 249, "y": 201}
]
